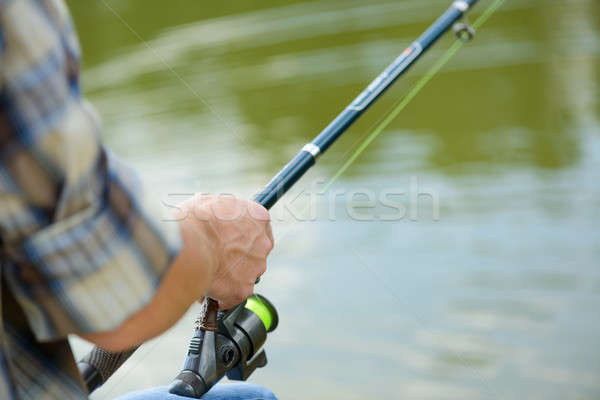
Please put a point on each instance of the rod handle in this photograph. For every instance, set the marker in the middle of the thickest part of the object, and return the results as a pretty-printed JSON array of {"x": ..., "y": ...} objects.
[{"x": 99, "y": 365}]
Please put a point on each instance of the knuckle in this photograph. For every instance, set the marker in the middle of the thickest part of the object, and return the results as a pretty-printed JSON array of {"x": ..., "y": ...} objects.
[
  {"x": 258, "y": 212},
  {"x": 270, "y": 244}
]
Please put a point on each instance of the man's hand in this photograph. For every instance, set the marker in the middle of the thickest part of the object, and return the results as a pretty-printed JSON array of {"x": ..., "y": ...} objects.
[
  {"x": 225, "y": 246},
  {"x": 240, "y": 233}
]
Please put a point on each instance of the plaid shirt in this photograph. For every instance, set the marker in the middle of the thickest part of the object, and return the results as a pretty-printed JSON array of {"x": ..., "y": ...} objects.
[{"x": 79, "y": 251}]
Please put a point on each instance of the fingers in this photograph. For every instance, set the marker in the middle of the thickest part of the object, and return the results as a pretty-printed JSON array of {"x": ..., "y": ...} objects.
[
  {"x": 237, "y": 279},
  {"x": 233, "y": 301},
  {"x": 261, "y": 270},
  {"x": 236, "y": 297},
  {"x": 258, "y": 212},
  {"x": 261, "y": 216},
  {"x": 269, "y": 233},
  {"x": 244, "y": 240}
]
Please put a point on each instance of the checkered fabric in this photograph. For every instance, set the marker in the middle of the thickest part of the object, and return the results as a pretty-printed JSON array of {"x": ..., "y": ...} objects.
[{"x": 80, "y": 249}]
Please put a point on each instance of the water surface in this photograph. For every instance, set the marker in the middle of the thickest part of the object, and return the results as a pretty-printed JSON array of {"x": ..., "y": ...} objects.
[{"x": 497, "y": 298}]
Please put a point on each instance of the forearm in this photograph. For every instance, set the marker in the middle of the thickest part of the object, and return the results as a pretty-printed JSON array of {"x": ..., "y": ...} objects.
[{"x": 183, "y": 283}]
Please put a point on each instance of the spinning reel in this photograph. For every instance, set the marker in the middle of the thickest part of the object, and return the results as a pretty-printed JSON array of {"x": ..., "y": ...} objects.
[{"x": 225, "y": 343}]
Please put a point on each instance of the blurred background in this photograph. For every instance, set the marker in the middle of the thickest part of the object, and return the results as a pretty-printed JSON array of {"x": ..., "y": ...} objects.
[{"x": 497, "y": 299}]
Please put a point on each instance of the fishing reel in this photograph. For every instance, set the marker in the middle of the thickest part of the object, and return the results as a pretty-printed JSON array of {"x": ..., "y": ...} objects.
[{"x": 225, "y": 343}]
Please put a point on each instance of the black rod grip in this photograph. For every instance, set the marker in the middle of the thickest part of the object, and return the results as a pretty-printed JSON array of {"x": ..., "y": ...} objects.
[{"x": 99, "y": 365}]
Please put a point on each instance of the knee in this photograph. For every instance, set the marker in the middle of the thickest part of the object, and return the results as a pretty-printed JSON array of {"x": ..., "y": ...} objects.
[
  {"x": 239, "y": 391},
  {"x": 265, "y": 394},
  {"x": 258, "y": 392}
]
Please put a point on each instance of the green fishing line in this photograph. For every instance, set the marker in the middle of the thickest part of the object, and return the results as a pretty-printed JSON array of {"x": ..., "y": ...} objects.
[{"x": 412, "y": 93}]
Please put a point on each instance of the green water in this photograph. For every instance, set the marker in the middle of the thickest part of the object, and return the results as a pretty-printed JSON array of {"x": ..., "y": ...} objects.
[{"x": 496, "y": 297}]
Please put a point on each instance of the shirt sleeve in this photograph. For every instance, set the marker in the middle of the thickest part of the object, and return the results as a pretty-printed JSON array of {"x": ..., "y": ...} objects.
[{"x": 83, "y": 247}]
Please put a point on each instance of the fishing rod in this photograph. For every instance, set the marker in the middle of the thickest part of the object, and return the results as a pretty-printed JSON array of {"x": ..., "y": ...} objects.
[{"x": 228, "y": 342}]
